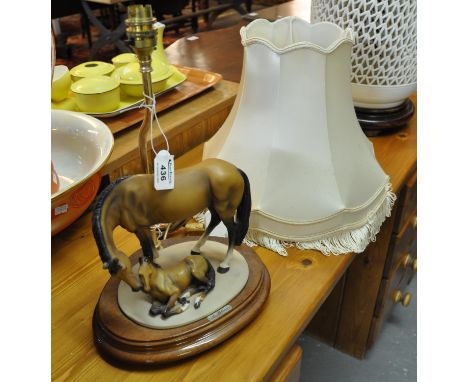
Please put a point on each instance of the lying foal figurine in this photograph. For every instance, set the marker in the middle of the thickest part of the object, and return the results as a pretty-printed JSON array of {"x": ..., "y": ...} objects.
[
  {"x": 192, "y": 275},
  {"x": 134, "y": 204}
]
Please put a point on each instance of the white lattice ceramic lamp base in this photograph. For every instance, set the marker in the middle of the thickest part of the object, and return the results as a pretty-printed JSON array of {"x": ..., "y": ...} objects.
[{"x": 384, "y": 56}]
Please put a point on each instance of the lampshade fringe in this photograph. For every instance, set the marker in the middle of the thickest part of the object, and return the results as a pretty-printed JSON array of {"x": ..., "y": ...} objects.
[
  {"x": 355, "y": 240},
  {"x": 200, "y": 217}
]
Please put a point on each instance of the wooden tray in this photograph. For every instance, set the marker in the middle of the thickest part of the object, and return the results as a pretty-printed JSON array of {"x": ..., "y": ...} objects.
[{"x": 197, "y": 81}]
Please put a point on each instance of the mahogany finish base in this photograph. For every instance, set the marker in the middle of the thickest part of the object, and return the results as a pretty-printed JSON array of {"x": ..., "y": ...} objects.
[
  {"x": 382, "y": 121},
  {"x": 126, "y": 344}
]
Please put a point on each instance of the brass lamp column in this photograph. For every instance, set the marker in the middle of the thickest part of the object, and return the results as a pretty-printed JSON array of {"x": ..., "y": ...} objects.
[{"x": 142, "y": 35}]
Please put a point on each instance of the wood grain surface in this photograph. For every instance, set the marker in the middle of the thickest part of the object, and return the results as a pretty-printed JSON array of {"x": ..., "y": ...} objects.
[
  {"x": 290, "y": 368},
  {"x": 218, "y": 51},
  {"x": 360, "y": 294},
  {"x": 324, "y": 324}
]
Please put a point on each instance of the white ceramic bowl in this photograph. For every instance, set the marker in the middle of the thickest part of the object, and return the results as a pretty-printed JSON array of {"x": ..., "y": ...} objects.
[
  {"x": 381, "y": 97},
  {"x": 81, "y": 145}
]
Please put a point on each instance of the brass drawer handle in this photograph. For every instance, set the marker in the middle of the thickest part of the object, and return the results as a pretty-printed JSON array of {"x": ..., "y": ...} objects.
[
  {"x": 414, "y": 222},
  {"x": 404, "y": 299},
  {"x": 410, "y": 262}
]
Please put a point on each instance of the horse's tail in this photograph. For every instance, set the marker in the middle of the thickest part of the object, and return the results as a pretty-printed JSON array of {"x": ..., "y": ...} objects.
[
  {"x": 211, "y": 276},
  {"x": 243, "y": 211},
  {"x": 103, "y": 239}
]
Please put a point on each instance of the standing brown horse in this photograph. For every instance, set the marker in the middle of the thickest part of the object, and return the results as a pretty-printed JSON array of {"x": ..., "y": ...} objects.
[{"x": 134, "y": 204}]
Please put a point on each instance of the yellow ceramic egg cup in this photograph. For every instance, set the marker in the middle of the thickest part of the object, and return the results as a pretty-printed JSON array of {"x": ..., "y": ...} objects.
[{"x": 126, "y": 102}]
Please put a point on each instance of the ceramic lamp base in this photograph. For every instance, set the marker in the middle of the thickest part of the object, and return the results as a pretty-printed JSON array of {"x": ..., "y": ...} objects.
[
  {"x": 382, "y": 121},
  {"x": 124, "y": 343}
]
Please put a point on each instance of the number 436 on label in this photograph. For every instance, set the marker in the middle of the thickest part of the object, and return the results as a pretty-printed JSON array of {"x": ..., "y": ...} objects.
[{"x": 164, "y": 171}]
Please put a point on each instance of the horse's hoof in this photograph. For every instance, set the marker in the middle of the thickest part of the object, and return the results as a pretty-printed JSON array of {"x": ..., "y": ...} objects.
[
  {"x": 198, "y": 302},
  {"x": 137, "y": 289},
  {"x": 223, "y": 270},
  {"x": 153, "y": 313},
  {"x": 192, "y": 252},
  {"x": 183, "y": 300}
]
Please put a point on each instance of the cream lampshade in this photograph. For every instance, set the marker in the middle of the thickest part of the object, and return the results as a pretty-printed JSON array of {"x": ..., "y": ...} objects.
[{"x": 315, "y": 181}]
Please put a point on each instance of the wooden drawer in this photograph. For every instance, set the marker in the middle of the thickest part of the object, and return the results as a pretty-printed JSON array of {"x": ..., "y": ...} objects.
[
  {"x": 407, "y": 204},
  {"x": 401, "y": 244},
  {"x": 393, "y": 289},
  {"x": 392, "y": 294},
  {"x": 399, "y": 269}
]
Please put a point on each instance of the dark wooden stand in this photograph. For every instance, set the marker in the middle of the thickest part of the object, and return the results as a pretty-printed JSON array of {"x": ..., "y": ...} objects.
[
  {"x": 381, "y": 121},
  {"x": 126, "y": 344}
]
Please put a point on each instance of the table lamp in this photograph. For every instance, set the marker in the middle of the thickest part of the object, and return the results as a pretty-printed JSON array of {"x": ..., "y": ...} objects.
[
  {"x": 142, "y": 35},
  {"x": 383, "y": 60},
  {"x": 315, "y": 181}
]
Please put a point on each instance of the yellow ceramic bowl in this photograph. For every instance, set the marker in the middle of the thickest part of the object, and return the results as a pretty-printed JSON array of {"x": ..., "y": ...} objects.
[
  {"x": 96, "y": 94},
  {"x": 61, "y": 82},
  {"x": 91, "y": 69},
  {"x": 124, "y": 59},
  {"x": 131, "y": 81}
]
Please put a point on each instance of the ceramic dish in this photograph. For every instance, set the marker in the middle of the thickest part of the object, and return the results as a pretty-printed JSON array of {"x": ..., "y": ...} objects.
[
  {"x": 95, "y": 94},
  {"x": 131, "y": 81},
  {"x": 126, "y": 102},
  {"x": 91, "y": 69},
  {"x": 61, "y": 81},
  {"x": 124, "y": 59},
  {"x": 158, "y": 54},
  {"x": 381, "y": 97},
  {"x": 81, "y": 145}
]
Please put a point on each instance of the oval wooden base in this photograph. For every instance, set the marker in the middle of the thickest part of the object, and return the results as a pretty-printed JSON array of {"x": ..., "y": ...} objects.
[{"x": 127, "y": 344}]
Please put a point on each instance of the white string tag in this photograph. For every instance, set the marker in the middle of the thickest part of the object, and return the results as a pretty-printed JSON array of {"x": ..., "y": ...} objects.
[
  {"x": 164, "y": 170},
  {"x": 163, "y": 161}
]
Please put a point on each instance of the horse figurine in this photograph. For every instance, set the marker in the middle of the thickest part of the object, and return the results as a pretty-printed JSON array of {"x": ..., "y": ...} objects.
[
  {"x": 133, "y": 203},
  {"x": 192, "y": 275}
]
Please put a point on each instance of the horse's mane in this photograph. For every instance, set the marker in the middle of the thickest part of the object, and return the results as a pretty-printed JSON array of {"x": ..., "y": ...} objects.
[
  {"x": 104, "y": 193},
  {"x": 149, "y": 261},
  {"x": 96, "y": 222}
]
